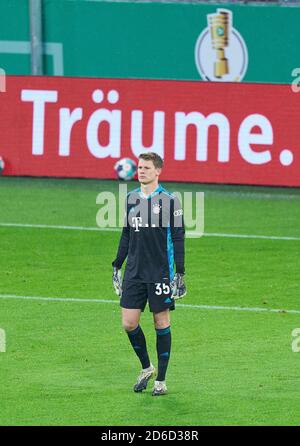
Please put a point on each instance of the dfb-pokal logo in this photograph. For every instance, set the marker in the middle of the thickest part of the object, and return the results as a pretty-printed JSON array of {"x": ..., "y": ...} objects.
[{"x": 221, "y": 54}]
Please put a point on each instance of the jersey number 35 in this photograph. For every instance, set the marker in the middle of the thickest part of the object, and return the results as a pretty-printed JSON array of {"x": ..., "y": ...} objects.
[{"x": 162, "y": 288}]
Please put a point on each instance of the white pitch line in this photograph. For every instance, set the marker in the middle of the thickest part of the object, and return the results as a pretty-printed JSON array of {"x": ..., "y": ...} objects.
[
  {"x": 59, "y": 299},
  {"x": 75, "y": 228},
  {"x": 268, "y": 237},
  {"x": 188, "y": 233},
  {"x": 108, "y": 301},
  {"x": 254, "y": 195}
]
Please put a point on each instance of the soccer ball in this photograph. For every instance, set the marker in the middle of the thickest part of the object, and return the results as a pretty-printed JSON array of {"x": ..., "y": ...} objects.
[
  {"x": 125, "y": 168},
  {"x": 2, "y": 165}
]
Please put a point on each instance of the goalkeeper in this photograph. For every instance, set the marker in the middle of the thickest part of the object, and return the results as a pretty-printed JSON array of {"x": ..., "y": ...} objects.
[{"x": 152, "y": 240}]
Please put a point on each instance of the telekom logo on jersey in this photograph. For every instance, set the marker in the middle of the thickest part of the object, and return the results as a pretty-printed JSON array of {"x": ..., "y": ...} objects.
[
  {"x": 103, "y": 132},
  {"x": 137, "y": 222}
]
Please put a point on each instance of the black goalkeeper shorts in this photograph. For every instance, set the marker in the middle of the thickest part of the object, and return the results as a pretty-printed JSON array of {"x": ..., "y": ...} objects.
[{"x": 135, "y": 296}]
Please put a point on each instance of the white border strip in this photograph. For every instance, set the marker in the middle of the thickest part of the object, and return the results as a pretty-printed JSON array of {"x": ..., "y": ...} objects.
[
  {"x": 188, "y": 233},
  {"x": 108, "y": 301},
  {"x": 24, "y": 47}
]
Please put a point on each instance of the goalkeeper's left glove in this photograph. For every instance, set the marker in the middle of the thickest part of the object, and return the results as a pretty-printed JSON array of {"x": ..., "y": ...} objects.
[
  {"x": 178, "y": 286},
  {"x": 117, "y": 281}
]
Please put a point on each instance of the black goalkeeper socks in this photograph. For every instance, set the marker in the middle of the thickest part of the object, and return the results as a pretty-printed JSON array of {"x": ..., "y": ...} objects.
[
  {"x": 138, "y": 342},
  {"x": 163, "y": 347}
]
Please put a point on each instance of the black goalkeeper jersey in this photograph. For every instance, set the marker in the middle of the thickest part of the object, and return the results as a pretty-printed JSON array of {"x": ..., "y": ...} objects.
[{"x": 152, "y": 238}]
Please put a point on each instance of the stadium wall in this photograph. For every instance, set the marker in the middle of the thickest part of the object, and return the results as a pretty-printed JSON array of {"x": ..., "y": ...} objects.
[{"x": 149, "y": 40}]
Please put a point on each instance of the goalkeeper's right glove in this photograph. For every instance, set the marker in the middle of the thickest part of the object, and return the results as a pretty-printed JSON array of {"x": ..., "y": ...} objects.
[
  {"x": 178, "y": 286},
  {"x": 117, "y": 281}
]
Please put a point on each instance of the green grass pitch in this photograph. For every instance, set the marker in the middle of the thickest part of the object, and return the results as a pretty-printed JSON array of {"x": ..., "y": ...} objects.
[{"x": 70, "y": 363}]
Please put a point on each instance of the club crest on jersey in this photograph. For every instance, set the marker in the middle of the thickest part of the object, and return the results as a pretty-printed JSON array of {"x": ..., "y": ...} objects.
[{"x": 156, "y": 208}]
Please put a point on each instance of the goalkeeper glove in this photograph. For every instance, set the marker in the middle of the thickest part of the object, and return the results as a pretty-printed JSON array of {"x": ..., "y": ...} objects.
[
  {"x": 117, "y": 281},
  {"x": 178, "y": 286}
]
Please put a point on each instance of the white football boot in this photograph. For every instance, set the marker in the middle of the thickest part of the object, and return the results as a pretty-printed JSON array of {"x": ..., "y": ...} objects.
[
  {"x": 143, "y": 378},
  {"x": 159, "y": 388}
]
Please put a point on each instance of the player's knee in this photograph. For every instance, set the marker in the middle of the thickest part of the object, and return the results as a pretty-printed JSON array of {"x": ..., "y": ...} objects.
[
  {"x": 161, "y": 320},
  {"x": 161, "y": 325},
  {"x": 129, "y": 325}
]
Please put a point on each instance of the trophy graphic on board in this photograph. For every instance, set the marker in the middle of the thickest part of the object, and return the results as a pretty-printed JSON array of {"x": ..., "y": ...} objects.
[{"x": 219, "y": 24}]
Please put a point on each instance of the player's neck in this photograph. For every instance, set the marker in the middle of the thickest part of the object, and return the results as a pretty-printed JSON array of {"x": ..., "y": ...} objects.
[{"x": 147, "y": 189}]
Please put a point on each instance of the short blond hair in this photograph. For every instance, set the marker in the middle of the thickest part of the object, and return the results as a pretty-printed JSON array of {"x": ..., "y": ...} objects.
[{"x": 152, "y": 156}]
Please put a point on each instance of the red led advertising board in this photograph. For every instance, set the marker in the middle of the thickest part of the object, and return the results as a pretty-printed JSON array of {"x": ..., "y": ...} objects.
[{"x": 206, "y": 132}]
